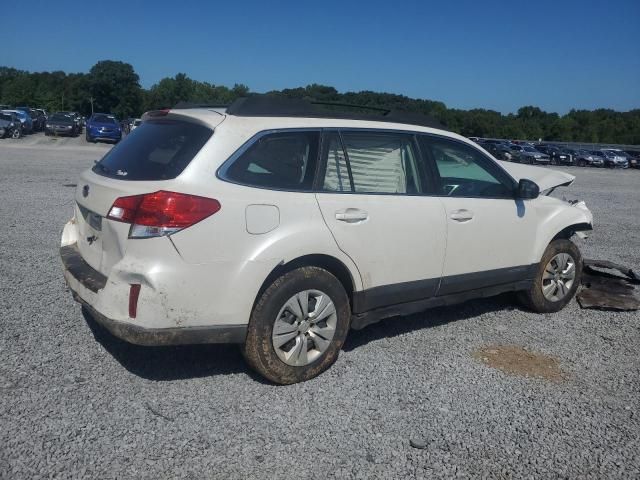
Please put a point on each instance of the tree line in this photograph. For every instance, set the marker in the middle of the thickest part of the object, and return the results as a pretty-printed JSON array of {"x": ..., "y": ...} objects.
[{"x": 112, "y": 86}]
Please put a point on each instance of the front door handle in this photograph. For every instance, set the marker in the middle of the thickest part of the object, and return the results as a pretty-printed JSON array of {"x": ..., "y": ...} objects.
[
  {"x": 461, "y": 215},
  {"x": 351, "y": 215}
]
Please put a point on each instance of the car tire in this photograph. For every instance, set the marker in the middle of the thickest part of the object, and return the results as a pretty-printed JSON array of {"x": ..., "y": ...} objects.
[
  {"x": 582, "y": 163},
  {"x": 278, "y": 356},
  {"x": 549, "y": 291}
]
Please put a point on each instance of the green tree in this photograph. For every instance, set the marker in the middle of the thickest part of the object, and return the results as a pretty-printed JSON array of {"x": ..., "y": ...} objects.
[{"x": 115, "y": 87}]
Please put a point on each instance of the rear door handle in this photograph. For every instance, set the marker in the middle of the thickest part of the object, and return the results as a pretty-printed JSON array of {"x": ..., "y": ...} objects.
[
  {"x": 351, "y": 215},
  {"x": 461, "y": 215}
]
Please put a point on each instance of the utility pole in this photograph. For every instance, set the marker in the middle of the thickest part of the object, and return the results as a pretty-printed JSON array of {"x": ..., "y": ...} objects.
[
  {"x": 91, "y": 100},
  {"x": 62, "y": 102}
]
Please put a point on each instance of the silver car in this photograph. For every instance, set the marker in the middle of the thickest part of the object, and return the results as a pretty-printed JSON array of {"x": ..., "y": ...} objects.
[
  {"x": 528, "y": 154},
  {"x": 615, "y": 158}
]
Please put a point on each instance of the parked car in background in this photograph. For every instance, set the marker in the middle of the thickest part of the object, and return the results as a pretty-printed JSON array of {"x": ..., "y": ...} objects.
[
  {"x": 77, "y": 120},
  {"x": 103, "y": 126},
  {"x": 500, "y": 151},
  {"x": 585, "y": 158},
  {"x": 25, "y": 120},
  {"x": 621, "y": 153},
  {"x": 43, "y": 112},
  {"x": 35, "y": 119},
  {"x": 61, "y": 123},
  {"x": 557, "y": 156},
  {"x": 528, "y": 154},
  {"x": 614, "y": 158},
  {"x": 10, "y": 125},
  {"x": 634, "y": 158},
  {"x": 135, "y": 123},
  {"x": 39, "y": 120}
]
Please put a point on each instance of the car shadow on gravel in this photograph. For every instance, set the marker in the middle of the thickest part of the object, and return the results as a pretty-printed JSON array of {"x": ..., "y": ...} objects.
[
  {"x": 172, "y": 363},
  {"x": 194, "y": 361},
  {"x": 434, "y": 317}
]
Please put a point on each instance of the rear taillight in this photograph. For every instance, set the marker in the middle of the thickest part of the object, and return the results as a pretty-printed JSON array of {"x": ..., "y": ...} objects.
[{"x": 161, "y": 213}]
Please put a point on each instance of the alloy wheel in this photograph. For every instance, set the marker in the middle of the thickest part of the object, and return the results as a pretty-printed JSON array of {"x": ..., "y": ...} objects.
[{"x": 558, "y": 277}]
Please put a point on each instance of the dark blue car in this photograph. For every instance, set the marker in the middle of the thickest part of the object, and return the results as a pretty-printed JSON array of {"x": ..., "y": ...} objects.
[{"x": 102, "y": 126}]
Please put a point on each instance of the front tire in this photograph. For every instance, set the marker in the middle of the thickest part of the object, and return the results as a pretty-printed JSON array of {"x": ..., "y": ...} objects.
[
  {"x": 557, "y": 278},
  {"x": 298, "y": 326}
]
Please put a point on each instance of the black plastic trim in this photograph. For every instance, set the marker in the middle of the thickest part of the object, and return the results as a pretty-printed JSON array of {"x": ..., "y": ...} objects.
[
  {"x": 472, "y": 281},
  {"x": 361, "y": 320},
  {"x": 169, "y": 336},
  {"x": 396, "y": 293},
  {"x": 277, "y": 106},
  {"x": 81, "y": 270},
  {"x": 422, "y": 290}
]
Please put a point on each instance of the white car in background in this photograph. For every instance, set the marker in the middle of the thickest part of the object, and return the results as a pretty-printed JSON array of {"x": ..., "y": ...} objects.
[
  {"x": 135, "y": 123},
  {"x": 279, "y": 226}
]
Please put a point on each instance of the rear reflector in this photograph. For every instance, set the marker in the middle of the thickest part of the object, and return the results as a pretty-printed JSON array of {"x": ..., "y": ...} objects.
[
  {"x": 134, "y": 293},
  {"x": 161, "y": 213}
]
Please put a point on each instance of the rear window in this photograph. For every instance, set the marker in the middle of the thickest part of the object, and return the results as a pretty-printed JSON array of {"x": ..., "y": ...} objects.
[
  {"x": 156, "y": 150},
  {"x": 103, "y": 119}
]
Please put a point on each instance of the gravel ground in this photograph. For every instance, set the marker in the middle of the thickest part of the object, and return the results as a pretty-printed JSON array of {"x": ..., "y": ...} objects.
[{"x": 76, "y": 402}]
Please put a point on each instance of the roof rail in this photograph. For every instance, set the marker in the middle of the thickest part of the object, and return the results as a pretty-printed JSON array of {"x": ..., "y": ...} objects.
[{"x": 278, "y": 106}]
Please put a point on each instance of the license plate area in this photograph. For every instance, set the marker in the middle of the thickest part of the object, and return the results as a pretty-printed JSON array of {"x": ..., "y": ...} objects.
[
  {"x": 90, "y": 236},
  {"x": 91, "y": 218}
]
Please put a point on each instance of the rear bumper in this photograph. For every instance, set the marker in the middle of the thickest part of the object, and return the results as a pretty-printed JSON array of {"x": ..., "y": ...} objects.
[
  {"x": 168, "y": 336},
  {"x": 81, "y": 276},
  {"x": 98, "y": 135}
]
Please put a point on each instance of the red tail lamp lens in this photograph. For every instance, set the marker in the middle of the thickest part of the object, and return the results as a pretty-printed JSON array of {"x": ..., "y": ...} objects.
[{"x": 163, "y": 209}]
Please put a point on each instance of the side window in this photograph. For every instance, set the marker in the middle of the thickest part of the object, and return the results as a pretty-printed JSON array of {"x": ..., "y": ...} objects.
[
  {"x": 284, "y": 160},
  {"x": 336, "y": 177},
  {"x": 465, "y": 171},
  {"x": 382, "y": 162}
]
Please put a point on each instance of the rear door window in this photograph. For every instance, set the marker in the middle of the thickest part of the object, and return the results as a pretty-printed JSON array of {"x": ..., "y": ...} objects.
[
  {"x": 157, "y": 150},
  {"x": 384, "y": 163}
]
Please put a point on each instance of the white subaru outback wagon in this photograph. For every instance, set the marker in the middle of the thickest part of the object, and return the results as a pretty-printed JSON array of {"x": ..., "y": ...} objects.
[{"x": 280, "y": 226}]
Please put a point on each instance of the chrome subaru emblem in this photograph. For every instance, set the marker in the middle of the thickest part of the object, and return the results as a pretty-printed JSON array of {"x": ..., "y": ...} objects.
[{"x": 85, "y": 191}]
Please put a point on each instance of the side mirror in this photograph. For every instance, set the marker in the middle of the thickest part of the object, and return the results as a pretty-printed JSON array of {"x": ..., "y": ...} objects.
[{"x": 527, "y": 190}]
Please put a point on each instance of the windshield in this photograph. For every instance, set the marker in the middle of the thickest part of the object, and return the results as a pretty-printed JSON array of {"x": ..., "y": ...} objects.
[
  {"x": 530, "y": 149},
  {"x": 103, "y": 119},
  {"x": 156, "y": 150}
]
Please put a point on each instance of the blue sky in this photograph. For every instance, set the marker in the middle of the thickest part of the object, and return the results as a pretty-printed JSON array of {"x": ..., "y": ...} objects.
[{"x": 493, "y": 54}]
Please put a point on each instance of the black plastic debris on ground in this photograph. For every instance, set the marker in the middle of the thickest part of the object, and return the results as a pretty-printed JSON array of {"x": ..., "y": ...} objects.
[{"x": 607, "y": 291}]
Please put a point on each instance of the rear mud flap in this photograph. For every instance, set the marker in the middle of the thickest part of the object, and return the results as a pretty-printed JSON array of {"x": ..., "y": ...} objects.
[{"x": 606, "y": 291}]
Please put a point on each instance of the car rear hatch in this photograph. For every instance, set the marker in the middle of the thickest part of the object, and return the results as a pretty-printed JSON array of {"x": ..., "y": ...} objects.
[{"x": 147, "y": 161}]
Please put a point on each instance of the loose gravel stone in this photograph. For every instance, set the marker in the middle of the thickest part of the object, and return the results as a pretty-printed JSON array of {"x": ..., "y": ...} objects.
[{"x": 76, "y": 402}]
